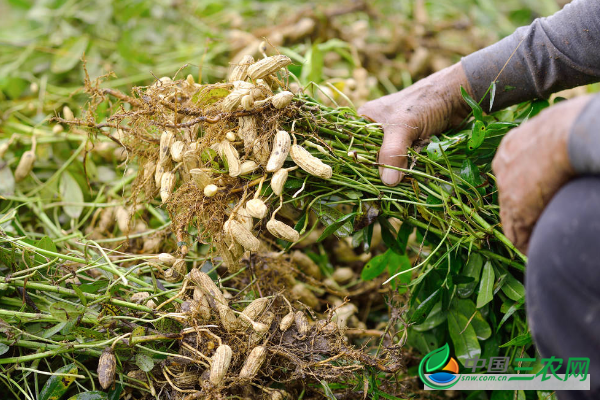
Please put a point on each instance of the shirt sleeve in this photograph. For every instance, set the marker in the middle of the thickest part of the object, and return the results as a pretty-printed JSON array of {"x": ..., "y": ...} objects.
[
  {"x": 584, "y": 139},
  {"x": 551, "y": 54}
]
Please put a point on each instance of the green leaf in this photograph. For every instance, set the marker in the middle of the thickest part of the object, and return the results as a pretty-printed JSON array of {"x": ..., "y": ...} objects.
[
  {"x": 63, "y": 312},
  {"x": 425, "y": 342},
  {"x": 378, "y": 264},
  {"x": 334, "y": 227},
  {"x": 93, "y": 287},
  {"x": 477, "y": 110},
  {"x": 462, "y": 279},
  {"x": 486, "y": 286},
  {"x": 477, "y": 135},
  {"x": 3, "y": 348},
  {"x": 69, "y": 54},
  {"x": 521, "y": 340},
  {"x": 537, "y": 106},
  {"x": 434, "y": 149},
  {"x": 312, "y": 71},
  {"x": 300, "y": 224},
  {"x": 144, "y": 362},
  {"x": 80, "y": 294},
  {"x": 545, "y": 395},
  {"x": 470, "y": 173},
  {"x": 398, "y": 263},
  {"x": 465, "y": 342},
  {"x": 115, "y": 393},
  {"x": 514, "y": 308},
  {"x": 207, "y": 97},
  {"x": 490, "y": 347},
  {"x": 435, "y": 318},
  {"x": 423, "y": 310},
  {"x": 93, "y": 395},
  {"x": 513, "y": 289},
  {"x": 71, "y": 192},
  {"x": 49, "y": 332},
  {"x": 329, "y": 215},
  {"x": 328, "y": 392},
  {"x": 57, "y": 385},
  {"x": 492, "y": 95},
  {"x": 438, "y": 359},
  {"x": 374, "y": 267},
  {"x": 388, "y": 235},
  {"x": 473, "y": 270},
  {"x": 467, "y": 308},
  {"x": 385, "y": 395},
  {"x": 139, "y": 331},
  {"x": 403, "y": 235},
  {"x": 44, "y": 243}
]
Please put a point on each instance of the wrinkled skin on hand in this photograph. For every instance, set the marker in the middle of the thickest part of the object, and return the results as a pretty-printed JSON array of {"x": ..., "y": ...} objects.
[
  {"x": 531, "y": 165},
  {"x": 426, "y": 108}
]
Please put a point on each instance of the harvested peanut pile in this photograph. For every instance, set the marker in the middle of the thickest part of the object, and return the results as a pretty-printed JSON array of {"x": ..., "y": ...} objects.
[{"x": 262, "y": 351}]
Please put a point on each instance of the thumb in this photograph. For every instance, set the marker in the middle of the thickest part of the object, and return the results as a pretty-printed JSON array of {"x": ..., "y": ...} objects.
[{"x": 393, "y": 152}]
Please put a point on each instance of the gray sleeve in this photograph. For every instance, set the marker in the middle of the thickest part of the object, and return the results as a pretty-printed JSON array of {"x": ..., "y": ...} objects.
[
  {"x": 552, "y": 54},
  {"x": 584, "y": 139}
]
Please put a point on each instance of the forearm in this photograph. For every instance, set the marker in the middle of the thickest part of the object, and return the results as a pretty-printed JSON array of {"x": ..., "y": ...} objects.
[{"x": 552, "y": 54}]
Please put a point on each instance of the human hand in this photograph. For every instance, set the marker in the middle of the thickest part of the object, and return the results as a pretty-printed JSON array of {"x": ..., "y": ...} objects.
[
  {"x": 531, "y": 165},
  {"x": 426, "y": 108}
]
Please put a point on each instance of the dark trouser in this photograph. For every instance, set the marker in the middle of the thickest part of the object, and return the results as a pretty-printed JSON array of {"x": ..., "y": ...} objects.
[{"x": 563, "y": 279}]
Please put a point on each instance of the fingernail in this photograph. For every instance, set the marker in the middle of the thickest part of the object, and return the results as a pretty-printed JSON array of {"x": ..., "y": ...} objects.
[{"x": 390, "y": 177}]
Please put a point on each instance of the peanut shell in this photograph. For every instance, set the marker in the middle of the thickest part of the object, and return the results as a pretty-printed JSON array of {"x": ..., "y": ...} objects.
[
  {"x": 267, "y": 66},
  {"x": 107, "y": 366},
  {"x": 281, "y": 149},
  {"x": 278, "y": 181},
  {"x": 282, "y": 231},
  {"x": 220, "y": 364},
  {"x": 255, "y": 360},
  {"x": 310, "y": 163}
]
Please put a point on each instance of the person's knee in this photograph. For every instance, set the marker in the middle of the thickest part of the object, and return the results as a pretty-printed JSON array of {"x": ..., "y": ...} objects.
[
  {"x": 565, "y": 237},
  {"x": 563, "y": 273}
]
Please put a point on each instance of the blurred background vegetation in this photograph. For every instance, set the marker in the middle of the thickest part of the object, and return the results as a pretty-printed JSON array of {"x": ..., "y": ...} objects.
[{"x": 43, "y": 41}]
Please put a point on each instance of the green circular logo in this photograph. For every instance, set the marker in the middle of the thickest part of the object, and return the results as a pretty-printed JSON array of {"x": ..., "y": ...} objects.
[{"x": 441, "y": 368}]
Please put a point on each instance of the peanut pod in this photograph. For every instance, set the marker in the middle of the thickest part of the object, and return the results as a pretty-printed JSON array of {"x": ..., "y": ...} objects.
[
  {"x": 267, "y": 66},
  {"x": 255, "y": 360},
  {"x": 310, "y": 163},
  {"x": 242, "y": 235},
  {"x": 220, "y": 364},
  {"x": 278, "y": 181},
  {"x": 281, "y": 149},
  {"x": 282, "y": 231}
]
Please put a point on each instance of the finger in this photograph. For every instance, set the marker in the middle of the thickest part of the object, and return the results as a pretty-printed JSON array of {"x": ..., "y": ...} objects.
[
  {"x": 365, "y": 111},
  {"x": 515, "y": 221},
  {"x": 506, "y": 221},
  {"x": 393, "y": 152}
]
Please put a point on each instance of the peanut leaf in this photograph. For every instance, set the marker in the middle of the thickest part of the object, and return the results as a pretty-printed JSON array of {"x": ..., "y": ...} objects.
[
  {"x": 486, "y": 286},
  {"x": 71, "y": 192},
  {"x": 57, "y": 385}
]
